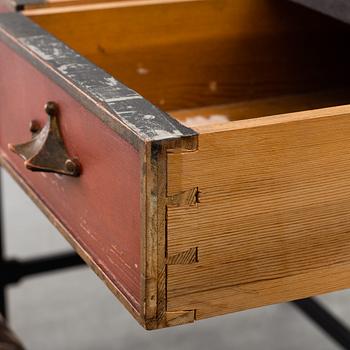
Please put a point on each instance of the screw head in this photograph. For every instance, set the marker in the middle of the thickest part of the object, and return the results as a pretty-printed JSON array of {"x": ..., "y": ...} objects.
[
  {"x": 51, "y": 108},
  {"x": 72, "y": 166}
]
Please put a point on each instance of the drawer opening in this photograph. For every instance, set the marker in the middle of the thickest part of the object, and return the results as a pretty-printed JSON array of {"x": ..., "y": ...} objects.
[{"x": 212, "y": 61}]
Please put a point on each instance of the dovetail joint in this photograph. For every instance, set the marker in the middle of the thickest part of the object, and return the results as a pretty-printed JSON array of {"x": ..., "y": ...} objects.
[
  {"x": 176, "y": 318},
  {"x": 186, "y": 198},
  {"x": 187, "y": 257}
]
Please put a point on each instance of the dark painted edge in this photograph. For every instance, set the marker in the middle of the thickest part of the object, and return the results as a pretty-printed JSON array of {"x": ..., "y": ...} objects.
[
  {"x": 121, "y": 108},
  {"x": 20, "y": 5},
  {"x": 339, "y": 9},
  {"x": 28, "y": 2}
]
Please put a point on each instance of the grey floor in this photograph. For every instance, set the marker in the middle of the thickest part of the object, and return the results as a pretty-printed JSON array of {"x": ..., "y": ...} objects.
[{"x": 74, "y": 310}]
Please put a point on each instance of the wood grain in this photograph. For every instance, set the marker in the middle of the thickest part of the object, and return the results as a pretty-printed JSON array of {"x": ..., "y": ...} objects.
[
  {"x": 267, "y": 106},
  {"x": 189, "y": 256},
  {"x": 185, "y": 198},
  {"x": 154, "y": 243},
  {"x": 228, "y": 299},
  {"x": 177, "y": 318},
  {"x": 215, "y": 56},
  {"x": 274, "y": 210}
]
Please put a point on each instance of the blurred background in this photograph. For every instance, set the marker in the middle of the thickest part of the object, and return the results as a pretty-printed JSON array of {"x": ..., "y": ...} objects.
[{"x": 74, "y": 310}]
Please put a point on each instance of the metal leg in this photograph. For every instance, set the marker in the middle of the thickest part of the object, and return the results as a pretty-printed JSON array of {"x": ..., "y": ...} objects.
[
  {"x": 12, "y": 271},
  {"x": 325, "y": 320},
  {"x": 2, "y": 257}
]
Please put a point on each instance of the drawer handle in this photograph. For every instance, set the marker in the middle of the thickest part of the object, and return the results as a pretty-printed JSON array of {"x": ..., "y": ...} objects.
[{"x": 46, "y": 151}]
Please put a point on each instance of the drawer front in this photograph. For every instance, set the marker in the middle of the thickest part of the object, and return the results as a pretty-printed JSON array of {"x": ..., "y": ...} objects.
[
  {"x": 4, "y": 6},
  {"x": 114, "y": 212},
  {"x": 101, "y": 208}
]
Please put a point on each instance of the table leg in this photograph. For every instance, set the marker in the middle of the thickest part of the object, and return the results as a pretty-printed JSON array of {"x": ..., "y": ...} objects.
[{"x": 325, "y": 320}]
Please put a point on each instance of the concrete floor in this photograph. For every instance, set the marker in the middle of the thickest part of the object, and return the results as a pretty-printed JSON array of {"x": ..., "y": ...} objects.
[{"x": 74, "y": 310}]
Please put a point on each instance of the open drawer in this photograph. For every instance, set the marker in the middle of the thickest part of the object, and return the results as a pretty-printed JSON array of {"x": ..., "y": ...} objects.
[{"x": 223, "y": 183}]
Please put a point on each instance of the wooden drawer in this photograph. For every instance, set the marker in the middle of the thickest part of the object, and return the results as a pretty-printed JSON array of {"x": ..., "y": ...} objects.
[{"x": 228, "y": 190}]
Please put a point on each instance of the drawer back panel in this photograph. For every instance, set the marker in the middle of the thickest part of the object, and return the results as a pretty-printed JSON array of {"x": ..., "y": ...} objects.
[{"x": 187, "y": 54}]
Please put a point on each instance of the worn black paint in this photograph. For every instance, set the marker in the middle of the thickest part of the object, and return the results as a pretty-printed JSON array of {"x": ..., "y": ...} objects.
[
  {"x": 120, "y": 107},
  {"x": 28, "y": 2}
]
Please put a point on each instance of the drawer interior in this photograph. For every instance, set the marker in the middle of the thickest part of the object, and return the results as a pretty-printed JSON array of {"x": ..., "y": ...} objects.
[{"x": 212, "y": 61}]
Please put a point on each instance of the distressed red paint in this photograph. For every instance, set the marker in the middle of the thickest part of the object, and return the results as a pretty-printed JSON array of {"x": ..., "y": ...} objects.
[
  {"x": 101, "y": 208},
  {"x": 5, "y": 6}
]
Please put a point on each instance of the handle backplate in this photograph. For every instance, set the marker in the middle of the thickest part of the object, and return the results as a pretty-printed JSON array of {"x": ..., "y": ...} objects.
[{"x": 46, "y": 150}]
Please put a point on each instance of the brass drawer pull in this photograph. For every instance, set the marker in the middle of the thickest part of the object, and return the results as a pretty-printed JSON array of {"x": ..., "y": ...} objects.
[{"x": 46, "y": 150}]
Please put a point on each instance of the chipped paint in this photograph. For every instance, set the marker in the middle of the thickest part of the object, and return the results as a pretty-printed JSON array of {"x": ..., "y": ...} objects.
[
  {"x": 111, "y": 81},
  {"x": 40, "y": 53},
  {"x": 125, "y": 111},
  {"x": 118, "y": 99},
  {"x": 84, "y": 225}
]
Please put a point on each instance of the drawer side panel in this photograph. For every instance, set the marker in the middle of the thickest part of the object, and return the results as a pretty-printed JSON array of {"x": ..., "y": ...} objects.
[
  {"x": 100, "y": 209},
  {"x": 273, "y": 219}
]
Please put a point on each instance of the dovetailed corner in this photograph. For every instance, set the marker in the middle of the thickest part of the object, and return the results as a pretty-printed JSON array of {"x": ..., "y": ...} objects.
[
  {"x": 185, "y": 198},
  {"x": 176, "y": 318},
  {"x": 184, "y": 145},
  {"x": 187, "y": 257}
]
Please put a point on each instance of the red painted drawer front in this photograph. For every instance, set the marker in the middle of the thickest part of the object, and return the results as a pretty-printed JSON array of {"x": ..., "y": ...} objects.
[
  {"x": 3, "y": 7},
  {"x": 101, "y": 208}
]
